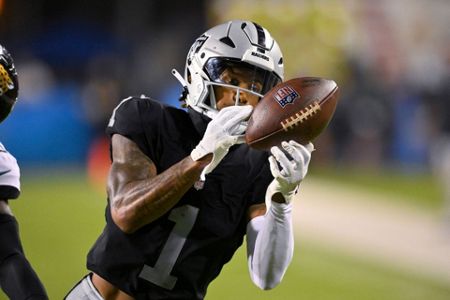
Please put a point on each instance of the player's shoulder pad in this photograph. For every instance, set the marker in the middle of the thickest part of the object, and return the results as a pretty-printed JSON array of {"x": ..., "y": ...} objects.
[{"x": 135, "y": 103}]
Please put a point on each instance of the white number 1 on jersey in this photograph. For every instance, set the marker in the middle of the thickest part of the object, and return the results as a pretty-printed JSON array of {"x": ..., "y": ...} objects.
[{"x": 184, "y": 218}]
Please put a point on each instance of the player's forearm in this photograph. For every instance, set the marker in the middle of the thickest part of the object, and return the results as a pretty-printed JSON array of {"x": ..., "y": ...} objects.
[
  {"x": 270, "y": 245},
  {"x": 144, "y": 201}
]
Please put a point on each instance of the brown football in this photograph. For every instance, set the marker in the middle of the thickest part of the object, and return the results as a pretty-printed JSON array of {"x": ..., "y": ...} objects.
[{"x": 298, "y": 109}]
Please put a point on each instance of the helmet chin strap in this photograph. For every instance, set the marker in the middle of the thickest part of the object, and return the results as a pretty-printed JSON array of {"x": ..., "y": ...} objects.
[
  {"x": 179, "y": 78},
  {"x": 185, "y": 88}
]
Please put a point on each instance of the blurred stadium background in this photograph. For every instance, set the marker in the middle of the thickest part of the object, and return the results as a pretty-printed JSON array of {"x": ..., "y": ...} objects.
[{"x": 373, "y": 218}]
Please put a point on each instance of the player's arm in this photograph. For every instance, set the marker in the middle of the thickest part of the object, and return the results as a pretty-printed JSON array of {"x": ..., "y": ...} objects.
[
  {"x": 270, "y": 239},
  {"x": 139, "y": 195}
]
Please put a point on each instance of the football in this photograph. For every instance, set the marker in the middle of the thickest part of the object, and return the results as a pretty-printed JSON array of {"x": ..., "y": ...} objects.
[{"x": 298, "y": 109}]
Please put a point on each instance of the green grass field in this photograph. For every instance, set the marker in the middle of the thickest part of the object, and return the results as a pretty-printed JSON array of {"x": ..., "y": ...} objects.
[
  {"x": 420, "y": 189},
  {"x": 61, "y": 215}
]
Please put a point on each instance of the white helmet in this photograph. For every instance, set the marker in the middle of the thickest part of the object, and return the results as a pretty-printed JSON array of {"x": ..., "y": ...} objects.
[{"x": 241, "y": 44}]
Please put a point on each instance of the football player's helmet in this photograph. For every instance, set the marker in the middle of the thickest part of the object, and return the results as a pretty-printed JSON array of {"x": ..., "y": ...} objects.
[
  {"x": 235, "y": 44},
  {"x": 9, "y": 86}
]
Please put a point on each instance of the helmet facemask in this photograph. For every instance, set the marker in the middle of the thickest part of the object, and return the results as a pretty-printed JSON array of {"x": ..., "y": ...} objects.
[{"x": 236, "y": 75}]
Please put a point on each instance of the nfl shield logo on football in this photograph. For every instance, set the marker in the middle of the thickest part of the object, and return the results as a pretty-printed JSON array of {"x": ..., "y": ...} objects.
[{"x": 286, "y": 95}]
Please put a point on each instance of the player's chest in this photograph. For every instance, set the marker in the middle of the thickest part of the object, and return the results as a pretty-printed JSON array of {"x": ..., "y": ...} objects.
[{"x": 222, "y": 202}]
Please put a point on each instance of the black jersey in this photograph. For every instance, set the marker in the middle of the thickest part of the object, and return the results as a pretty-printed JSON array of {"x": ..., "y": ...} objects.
[{"x": 179, "y": 254}]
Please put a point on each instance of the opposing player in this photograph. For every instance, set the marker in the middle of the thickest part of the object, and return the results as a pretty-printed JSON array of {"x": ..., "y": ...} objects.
[
  {"x": 17, "y": 278},
  {"x": 183, "y": 191}
]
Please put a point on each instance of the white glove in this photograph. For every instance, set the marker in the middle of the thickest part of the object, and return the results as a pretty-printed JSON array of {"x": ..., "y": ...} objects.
[
  {"x": 10, "y": 171},
  {"x": 287, "y": 179},
  {"x": 224, "y": 131}
]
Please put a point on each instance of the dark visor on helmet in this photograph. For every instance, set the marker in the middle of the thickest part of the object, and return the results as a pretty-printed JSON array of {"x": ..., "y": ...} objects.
[{"x": 257, "y": 79}]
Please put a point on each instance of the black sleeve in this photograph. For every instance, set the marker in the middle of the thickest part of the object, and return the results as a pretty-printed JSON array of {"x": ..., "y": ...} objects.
[
  {"x": 17, "y": 278},
  {"x": 137, "y": 119}
]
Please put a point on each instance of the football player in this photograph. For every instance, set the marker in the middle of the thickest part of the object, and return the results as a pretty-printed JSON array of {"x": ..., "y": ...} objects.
[
  {"x": 17, "y": 278},
  {"x": 183, "y": 189}
]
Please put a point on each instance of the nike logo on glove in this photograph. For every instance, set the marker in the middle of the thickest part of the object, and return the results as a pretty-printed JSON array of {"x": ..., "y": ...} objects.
[{"x": 4, "y": 172}]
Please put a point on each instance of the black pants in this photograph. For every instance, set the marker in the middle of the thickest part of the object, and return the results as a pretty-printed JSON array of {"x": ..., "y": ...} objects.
[{"x": 17, "y": 278}]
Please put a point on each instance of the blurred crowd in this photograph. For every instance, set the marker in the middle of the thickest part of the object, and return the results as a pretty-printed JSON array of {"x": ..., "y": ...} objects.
[
  {"x": 395, "y": 93},
  {"x": 77, "y": 59}
]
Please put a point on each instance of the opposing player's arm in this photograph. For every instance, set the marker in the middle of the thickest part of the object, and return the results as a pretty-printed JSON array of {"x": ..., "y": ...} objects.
[{"x": 137, "y": 194}]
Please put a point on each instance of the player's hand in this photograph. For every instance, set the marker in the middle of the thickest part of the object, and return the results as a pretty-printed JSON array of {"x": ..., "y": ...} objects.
[
  {"x": 224, "y": 131},
  {"x": 288, "y": 173}
]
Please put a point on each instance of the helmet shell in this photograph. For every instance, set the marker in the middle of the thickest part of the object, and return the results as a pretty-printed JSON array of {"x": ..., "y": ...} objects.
[
  {"x": 237, "y": 40},
  {"x": 9, "y": 85}
]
